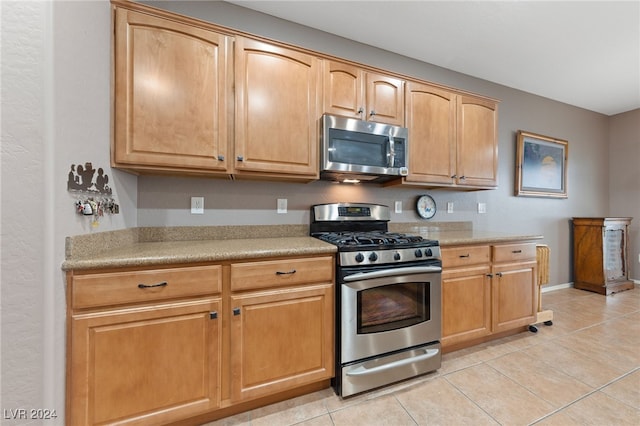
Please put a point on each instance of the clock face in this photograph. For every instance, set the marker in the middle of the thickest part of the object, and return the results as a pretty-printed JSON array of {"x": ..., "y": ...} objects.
[{"x": 426, "y": 207}]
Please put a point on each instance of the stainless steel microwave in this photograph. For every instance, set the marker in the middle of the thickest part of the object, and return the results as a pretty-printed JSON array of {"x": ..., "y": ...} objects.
[{"x": 357, "y": 150}]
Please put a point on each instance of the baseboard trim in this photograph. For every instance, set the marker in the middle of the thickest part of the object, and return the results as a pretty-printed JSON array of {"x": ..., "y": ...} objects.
[{"x": 549, "y": 288}]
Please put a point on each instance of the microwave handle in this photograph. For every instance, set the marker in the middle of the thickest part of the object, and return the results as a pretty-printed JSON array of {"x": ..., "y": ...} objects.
[{"x": 391, "y": 151}]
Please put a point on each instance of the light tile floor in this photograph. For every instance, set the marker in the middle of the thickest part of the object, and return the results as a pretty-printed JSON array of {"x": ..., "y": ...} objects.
[{"x": 582, "y": 370}]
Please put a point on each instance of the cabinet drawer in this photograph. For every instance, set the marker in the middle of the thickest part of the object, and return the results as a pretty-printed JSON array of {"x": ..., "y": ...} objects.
[
  {"x": 463, "y": 256},
  {"x": 115, "y": 288},
  {"x": 278, "y": 273},
  {"x": 514, "y": 252}
]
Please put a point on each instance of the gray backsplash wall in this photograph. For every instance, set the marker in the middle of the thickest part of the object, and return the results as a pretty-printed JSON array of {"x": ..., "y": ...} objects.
[{"x": 165, "y": 200}]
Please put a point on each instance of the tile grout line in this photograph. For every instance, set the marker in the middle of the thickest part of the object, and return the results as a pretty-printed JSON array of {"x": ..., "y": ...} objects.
[{"x": 598, "y": 389}]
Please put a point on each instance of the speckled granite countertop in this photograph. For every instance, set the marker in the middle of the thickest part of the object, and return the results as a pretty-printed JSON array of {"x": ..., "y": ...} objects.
[
  {"x": 173, "y": 245},
  {"x": 454, "y": 237}
]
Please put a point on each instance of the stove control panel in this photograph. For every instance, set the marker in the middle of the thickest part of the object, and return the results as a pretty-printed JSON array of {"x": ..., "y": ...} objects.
[{"x": 391, "y": 256}]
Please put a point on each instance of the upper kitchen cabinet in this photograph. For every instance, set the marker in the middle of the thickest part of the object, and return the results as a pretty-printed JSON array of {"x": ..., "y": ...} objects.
[
  {"x": 277, "y": 106},
  {"x": 452, "y": 138},
  {"x": 171, "y": 93},
  {"x": 477, "y": 142},
  {"x": 353, "y": 92}
]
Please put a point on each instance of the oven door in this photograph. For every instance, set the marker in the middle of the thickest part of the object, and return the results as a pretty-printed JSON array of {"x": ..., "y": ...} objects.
[{"x": 385, "y": 310}]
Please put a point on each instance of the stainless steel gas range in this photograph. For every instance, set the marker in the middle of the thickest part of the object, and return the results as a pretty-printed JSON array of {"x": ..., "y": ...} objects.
[{"x": 388, "y": 297}]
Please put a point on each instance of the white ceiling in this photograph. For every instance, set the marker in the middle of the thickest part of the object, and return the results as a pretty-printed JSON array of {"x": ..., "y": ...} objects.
[{"x": 583, "y": 53}]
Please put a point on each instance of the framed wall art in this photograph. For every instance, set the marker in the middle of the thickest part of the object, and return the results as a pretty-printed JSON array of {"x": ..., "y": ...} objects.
[{"x": 541, "y": 166}]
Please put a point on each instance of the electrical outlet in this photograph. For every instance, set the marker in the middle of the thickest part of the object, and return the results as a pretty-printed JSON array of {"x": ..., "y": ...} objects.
[
  {"x": 197, "y": 205},
  {"x": 282, "y": 205},
  {"x": 450, "y": 207},
  {"x": 398, "y": 206},
  {"x": 482, "y": 207}
]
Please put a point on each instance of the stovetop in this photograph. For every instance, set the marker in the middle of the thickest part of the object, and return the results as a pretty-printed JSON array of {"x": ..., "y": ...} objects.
[
  {"x": 360, "y": 232},
  {"x": 373, "y": 239}
]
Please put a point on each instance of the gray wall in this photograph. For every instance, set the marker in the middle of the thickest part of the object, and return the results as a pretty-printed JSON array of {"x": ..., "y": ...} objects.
[
  {"x": 56, "y": 112},
  {"x": 624, "y": 178}
]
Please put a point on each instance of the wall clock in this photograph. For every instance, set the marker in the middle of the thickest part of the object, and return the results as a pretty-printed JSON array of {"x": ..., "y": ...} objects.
[{"x": 426, "y": 206}]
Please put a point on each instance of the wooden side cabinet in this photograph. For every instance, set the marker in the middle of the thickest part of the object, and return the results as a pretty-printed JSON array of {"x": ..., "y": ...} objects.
[{"x": 600, "y": 261}]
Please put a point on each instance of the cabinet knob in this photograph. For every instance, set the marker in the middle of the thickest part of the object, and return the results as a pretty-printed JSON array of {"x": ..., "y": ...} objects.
[
  {"x": 490, "y": 275},
  {"x": 454, "y": 176},
  {"x": 372, "y": 113},
  {"x": 499, "y": 274},
  {"x": 463, "y": 177},
  {"x": 360, "y": 110},
  {"x": 220, "y": 157},
  {"x": 240, "y": 158},
  {"x": 236, "y": 311},
  {"x": 213, "y": 315}
]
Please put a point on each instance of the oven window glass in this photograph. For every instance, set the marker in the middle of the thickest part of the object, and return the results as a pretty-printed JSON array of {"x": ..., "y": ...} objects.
[{"x": 392, "y": 307}]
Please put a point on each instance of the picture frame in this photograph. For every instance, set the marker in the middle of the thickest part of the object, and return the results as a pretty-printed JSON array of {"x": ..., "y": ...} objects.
[{"x": 541, "y": 166}]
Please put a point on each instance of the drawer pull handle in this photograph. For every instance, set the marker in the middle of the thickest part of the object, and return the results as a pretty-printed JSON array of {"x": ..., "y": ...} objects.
[
  {"x": 490, "y": 275},
  {"x": 516, "y": 251},
  {"x": 499, "y": 274},
  {"x": 465, "y": 255},
  {"x": 162, "y": 284},
  {"x": 213, "y": 315},
  {"x": 236, "y": 311},
  {"x": 293, "y": 271}
]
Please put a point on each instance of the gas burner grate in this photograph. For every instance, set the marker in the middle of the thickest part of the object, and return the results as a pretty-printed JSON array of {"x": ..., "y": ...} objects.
[{"x": 371, "y": 238}]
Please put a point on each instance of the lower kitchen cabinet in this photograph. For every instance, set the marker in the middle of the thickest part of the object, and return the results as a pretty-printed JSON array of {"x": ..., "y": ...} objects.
[
  {"x": 164, "y": 345},
  {"x": 466, "y": 304},
  {"x": 145, "y": 365},
  {"x": 466, "y": 294},
  {"x": 143, "y": 346},
  {"x": 280, "y": 339},
  {"x": 515, "y": 293},
  {"x": 487, "y": 290}
]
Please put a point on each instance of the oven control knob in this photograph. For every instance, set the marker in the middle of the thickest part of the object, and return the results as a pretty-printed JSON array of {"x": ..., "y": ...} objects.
[
  {"x": 428, "y": 252},
  {"x": 418, "y": 253},
  {"x": 373, "y": 257},
  {"x": 396, "y": 256},
  {"x": 359, "y": 257}
]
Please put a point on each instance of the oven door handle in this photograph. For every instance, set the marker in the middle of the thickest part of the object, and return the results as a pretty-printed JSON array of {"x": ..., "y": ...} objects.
[
  {"x": 394, "y": 272},
  {"x": 363, "y": 371}
]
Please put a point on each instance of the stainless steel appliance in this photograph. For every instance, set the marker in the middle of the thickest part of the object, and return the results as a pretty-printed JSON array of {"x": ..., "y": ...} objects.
[
  {"x": 388, "y": 297},
  {"x": 362, "y": 150}
]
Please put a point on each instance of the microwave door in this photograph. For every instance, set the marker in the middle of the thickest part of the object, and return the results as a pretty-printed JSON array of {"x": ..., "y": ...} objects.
[{"x": 352, "y": 151}]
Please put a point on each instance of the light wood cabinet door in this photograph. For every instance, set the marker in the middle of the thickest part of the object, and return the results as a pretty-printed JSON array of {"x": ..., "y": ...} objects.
[
  {"x": 277, "y": 104},
  {"x": 343, "y": 89},
  {"x": 477, "y": 143},
  {"x": 352, "y": 92},
  {"x": 452, "y": 138},
  {"x": 466, "y": 304},
  {"x": 144, "y": 365},
  {"x": 431, "y": 120},
  {"x": 280, "y": 339},
  {"x": 385, "y": 99},
  {"x": 515, "y": 295},
  {"x": 170, "y": 95}
]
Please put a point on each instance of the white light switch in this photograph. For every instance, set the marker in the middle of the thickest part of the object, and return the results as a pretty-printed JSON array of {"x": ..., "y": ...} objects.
[
  {"x": 482, "y": 207},
  {"x": 398, "y": 206},
  {"x": 450, "y": 207}
]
